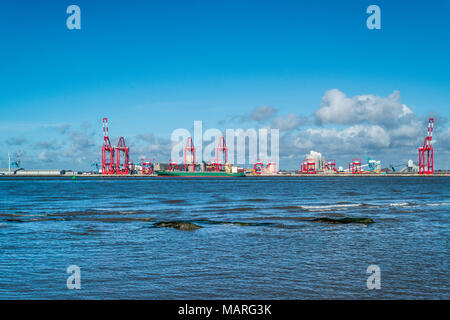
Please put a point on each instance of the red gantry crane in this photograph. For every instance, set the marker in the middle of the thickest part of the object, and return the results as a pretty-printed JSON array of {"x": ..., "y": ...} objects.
[
  {"x": 258, "y": 167},
  {"x": 107, "y": 151},
  {"x": 303, "y": 166},
  {"x": 355, "y": 166},
  {"x": 331, "y": 165},
  {"x": 308, "y": 166},
  {"x": 173, "y": 165},
  {"x": 426, "y": 165},
  {"x": 147, "y": 167},
  {"x": 122, "y": 152},
  {"x": 222, "y": 150}
]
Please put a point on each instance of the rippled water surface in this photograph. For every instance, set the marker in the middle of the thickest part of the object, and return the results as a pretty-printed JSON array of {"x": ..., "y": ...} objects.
[{"x": 256, "y": 240}]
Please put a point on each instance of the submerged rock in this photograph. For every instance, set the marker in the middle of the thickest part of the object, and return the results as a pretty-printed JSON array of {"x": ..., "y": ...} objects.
[
  {"x": 15, "y": 220},
  {"x": 244, "y": 224},
  {"x": 179, "y": 225},
  {"x": 345, "y": 220},
  {"x": 235, "y": 223}
]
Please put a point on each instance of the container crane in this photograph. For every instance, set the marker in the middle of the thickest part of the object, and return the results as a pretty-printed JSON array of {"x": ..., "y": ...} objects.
[
  {"x": 308, "y": 166},
  {"x": 173, "y": 165},
  {"x": 426, "y": 165},
  {"x": 258, "y": 167},
  {"x": 355, "y": 166},
  {"x": 95, "y": 166},
  {"x": 147, "y": 167},
  {"x": 122, "y": 152},
  {"x": 107, "y": 151},
  {"x": 16, "y": 163},
  {"x": 221, "y": 161}
]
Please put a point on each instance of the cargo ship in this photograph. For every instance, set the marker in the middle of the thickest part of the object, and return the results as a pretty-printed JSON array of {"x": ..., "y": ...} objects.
[{"x": 166, "y": 173}]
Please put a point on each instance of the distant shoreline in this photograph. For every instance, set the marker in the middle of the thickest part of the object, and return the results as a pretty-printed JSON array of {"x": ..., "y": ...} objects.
[{"x": 140, "y": 177}]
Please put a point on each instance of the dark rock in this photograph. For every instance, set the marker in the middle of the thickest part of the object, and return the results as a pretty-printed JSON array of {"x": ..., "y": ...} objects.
[
  {"x": 236, "y": 223},
  {"x": 243, "y": 224},
  {"x": 14, "y": 220},
  {"x": 345, "y": 220},
  {"x": 179, "y": 225}
]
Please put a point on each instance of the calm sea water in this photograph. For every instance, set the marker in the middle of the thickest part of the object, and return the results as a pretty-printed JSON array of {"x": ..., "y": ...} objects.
[{"x": 106, "y": 228}]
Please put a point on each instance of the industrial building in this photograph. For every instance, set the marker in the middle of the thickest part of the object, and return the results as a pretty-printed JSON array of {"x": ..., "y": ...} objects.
[{"x": 33, "y": 172}]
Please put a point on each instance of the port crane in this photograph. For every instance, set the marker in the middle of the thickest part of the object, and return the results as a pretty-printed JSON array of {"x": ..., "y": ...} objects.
[
  {"x": 95, "y": 166},
  {"x": 426, "y": 165},
  {"x": 122, "y": 153},
  {"x": 221, "y": 155},
  {"x": 16, "y": 163},
  {"x": 147, "y": 166},
  {"x": 107, "y": 151}
]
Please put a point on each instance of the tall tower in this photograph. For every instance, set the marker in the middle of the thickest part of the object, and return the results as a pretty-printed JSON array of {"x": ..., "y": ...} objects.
[{"x": 107, "y": 151}]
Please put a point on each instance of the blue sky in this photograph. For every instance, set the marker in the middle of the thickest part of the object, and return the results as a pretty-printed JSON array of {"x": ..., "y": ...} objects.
[{"x": 154, "y": 66}]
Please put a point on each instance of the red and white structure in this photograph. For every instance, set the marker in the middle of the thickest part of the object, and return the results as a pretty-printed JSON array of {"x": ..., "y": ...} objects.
[
  {"x": 271, "y": 167},
  {"x": 355, "y": 166},
  {"x": 115, "y": 160},
  {"x": 303, "y": 166},
  {"x": 426, "y": 164},
  {"x": 212, "y": 165},
  {"x": 331, "y": 165},
  {"x": 147, "y": 167},
  {"x": 258, "y": 167},
  {"x": 189, "y": 155},
  {"x": 107, "y": 151},
  {"x": 308, "y": 166},
  {"x": 173, "y": 165},
  {"x": 122, "y": 157},
  {"x": 221, "y": 155}
]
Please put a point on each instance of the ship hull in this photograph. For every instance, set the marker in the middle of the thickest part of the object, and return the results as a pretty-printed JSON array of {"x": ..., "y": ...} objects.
[{"x": 197, "y": 174}]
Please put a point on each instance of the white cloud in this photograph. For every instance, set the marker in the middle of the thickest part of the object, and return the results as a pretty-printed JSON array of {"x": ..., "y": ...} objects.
[
  {"x": 147, "y": 145},
  {"x": 48, "y": 145},
  {"x": 351, "y": 139},
  {"x": 15, "y": 141},
  {"x": 382, "y": 127},
  {"x": 443, "y": 141},
  {"x": 337, "y": 108},
  {"x": 43, "y": 155},
  {"x": 63, "y": 128},
  {"x": 262, "y": 113},
  {"x": 288, "y": 122}
]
